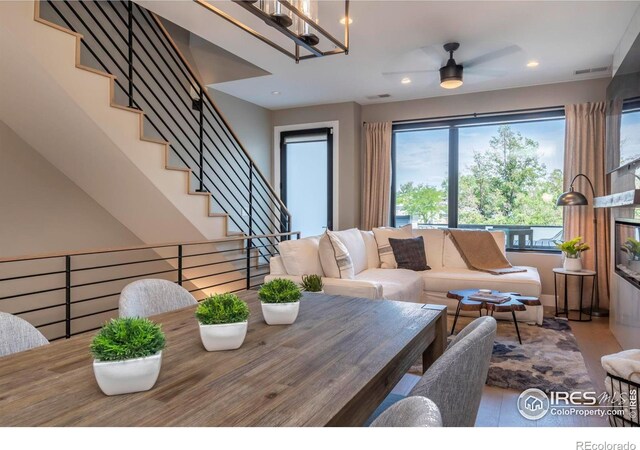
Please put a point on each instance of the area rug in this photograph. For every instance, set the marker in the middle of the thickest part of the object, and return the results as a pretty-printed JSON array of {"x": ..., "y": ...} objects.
[{"x": 548, "y": 359}]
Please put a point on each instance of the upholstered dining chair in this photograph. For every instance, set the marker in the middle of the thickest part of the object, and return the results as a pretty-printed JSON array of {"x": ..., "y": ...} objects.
[
  {"x": 410, "y": 412},
  {"x": 17, "y": 335},
  {"x": 144, "y": 298},
  {"x": 455, "y": 380}
]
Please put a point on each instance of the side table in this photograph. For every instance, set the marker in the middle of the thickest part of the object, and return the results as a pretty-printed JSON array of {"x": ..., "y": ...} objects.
[{"x": 567, "y": 274}]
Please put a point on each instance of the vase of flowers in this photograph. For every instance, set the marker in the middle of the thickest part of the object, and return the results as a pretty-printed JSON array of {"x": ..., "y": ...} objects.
[
  {"x": 572, "y": 253},
  {"x": 632, "y": 248}
]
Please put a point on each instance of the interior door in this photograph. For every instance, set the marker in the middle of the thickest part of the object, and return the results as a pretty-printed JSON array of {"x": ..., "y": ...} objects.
[{"x": 306, "y": 174}]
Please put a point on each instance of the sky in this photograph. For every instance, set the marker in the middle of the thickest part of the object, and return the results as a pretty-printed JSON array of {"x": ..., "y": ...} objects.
[
  {"x": 422, "y": 156},
  {"x": 630, "y": 136}
]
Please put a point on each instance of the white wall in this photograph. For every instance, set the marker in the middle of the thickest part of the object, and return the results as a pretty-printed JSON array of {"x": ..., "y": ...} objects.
[{"x": 43, "y": 211}]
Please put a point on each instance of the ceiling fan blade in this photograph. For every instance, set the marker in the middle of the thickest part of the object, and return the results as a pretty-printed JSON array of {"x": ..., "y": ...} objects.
[
  {"x": 408, "y": 72},
  {"x": 486, "y": 72},
  {"x": 496, "y": 54},
  {"x": 435, "y": 54}
]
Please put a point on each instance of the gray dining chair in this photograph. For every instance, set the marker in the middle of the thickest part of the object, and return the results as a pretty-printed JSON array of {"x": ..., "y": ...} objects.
[
  {"x": 410, "y": 412},
  {"x": 18, "y": 335},
  {"x": 455, "y": 380},
  {"x": 144, "y": 298}
]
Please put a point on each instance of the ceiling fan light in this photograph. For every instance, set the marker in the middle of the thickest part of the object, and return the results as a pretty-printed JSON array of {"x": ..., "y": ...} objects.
[
  {"x": 451, "y": 83},
  {"x": 451, "y": 75}
]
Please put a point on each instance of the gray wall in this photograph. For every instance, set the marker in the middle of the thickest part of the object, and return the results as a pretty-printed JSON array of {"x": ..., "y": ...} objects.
[
  {"x": 491, "y": 101},
  {"x": 348, "y": 116},
  {"x": 252, "y": 124},
  {"x": 43, "y": 211}
]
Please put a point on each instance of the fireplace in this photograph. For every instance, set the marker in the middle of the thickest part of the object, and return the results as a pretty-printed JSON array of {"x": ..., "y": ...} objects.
[{"x": 627, "y": 250}]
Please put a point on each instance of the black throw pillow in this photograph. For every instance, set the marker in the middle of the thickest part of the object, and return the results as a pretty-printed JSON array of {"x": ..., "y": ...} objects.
[{"x": 409, "y": 253}]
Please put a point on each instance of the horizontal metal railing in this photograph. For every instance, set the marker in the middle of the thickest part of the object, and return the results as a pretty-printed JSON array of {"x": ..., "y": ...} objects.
[{"x": 64, "y": 294}]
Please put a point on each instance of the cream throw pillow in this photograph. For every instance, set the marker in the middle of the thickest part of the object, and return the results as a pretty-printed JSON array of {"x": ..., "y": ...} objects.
[
  {"x": 335, "y": 258},
  {"x": 387, "y": 260}
]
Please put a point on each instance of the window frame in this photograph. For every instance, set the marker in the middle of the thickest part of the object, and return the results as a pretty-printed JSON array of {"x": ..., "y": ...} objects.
[{"x": 454, "y": 124}]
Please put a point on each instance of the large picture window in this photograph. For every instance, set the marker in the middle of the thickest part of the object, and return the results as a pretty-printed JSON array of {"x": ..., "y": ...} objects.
[{"x": 498, "y": 172}]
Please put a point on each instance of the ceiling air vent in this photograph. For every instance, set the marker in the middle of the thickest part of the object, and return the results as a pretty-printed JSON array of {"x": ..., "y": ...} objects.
[
  {"x": 375, "y": 97},
  {"x": 591, "y": 70}
]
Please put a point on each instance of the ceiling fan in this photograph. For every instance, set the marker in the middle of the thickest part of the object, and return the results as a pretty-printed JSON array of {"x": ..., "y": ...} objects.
[{"x": 451, "y": 74}]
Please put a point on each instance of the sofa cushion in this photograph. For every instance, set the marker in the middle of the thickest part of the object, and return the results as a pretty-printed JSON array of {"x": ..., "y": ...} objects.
[
  {"x": 354, "y": 242},
  {"x": 382, "y": 234},
  {"x": 397, "y": 284},
  {"x": 451, "y": 256},
  {"x": 334, "y": 257},
  {"x": 525, "y": 283},
  {"x": 373, "y": 259},
  {"x": 433, "y": 243},
  {"x": 410, "y": 253},
  {"x": 301, "y": 256}
]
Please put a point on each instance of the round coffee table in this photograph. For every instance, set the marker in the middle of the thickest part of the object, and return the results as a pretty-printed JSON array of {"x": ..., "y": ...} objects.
[{"x": 516, "y": 303}]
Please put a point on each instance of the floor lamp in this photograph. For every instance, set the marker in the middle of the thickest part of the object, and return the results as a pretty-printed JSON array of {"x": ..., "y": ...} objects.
[{"x": 575, "y": 198}]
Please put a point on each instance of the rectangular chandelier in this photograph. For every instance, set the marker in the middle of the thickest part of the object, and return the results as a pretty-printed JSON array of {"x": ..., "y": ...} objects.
[{"x": 295, "y": 19}]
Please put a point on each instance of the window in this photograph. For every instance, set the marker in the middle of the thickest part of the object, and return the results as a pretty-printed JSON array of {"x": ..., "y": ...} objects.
[
  {"x": 500, "y": 172},
  {"x": 630, "y": 133}
]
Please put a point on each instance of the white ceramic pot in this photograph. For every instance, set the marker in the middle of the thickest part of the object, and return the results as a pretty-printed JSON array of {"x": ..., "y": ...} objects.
[
  {"x": 572, "y": 264},
  {"x": 130, "y": 375},
  {"x": 309, "y": 292},
  {"x": 280, "y": 313},
  {"x": 634, "y": 265},
  {"x": 226, "y": 336}
]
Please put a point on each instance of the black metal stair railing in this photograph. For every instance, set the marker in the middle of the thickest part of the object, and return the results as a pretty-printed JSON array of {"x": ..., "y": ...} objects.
[{"x": 128, "y": 41}]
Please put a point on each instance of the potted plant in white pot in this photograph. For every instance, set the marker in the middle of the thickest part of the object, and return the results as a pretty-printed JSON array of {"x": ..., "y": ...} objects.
[
  {"x": 280, "y": 299},
  {"x": 632, "y": 248},
  {"x": 223, "y": 322},
  {"x": 312, "y": 283},
  {"x": 127, "y": 355},
  {"x": 572, "y": 253}
]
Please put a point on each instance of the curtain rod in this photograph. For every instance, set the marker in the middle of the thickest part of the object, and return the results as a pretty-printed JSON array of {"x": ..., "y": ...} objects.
[{"x": 476, "y": 115}]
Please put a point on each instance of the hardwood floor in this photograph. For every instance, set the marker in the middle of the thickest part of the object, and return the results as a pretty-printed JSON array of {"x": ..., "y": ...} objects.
[{"x": 498, "y": 406}]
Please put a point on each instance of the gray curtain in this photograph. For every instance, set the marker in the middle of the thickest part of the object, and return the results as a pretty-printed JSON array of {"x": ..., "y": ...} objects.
[
  {"x": 585, "y": 153},
  {"x": 376, "y": 189}
]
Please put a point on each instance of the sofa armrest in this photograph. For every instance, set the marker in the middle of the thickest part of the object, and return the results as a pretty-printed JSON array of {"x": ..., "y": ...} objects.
[
  {"x": 276, "y": 266},
  {"x": 338, "y": 286}
]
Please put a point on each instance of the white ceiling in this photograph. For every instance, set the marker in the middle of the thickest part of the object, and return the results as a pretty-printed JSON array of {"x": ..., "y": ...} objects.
[{"x": 388, "y": 36}]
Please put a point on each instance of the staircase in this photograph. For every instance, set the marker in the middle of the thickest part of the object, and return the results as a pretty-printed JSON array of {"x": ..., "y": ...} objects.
[{"x": 102, "y": 91}]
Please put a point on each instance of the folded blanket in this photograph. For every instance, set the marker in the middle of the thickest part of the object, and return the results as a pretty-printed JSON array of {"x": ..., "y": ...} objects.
[{"x": 480, "y": 252}]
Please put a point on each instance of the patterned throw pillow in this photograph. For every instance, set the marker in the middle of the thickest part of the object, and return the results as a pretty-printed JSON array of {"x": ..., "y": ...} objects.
[
  {"x": 409, "y": 253},
  {"x": 334, "y": 257},
  {"x": 382, "y": 235}
]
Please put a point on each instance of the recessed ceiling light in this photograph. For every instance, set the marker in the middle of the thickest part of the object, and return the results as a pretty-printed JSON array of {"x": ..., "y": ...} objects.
[
  {"x": 275, "y": 92},
  {"x": 343, "y": 21},
  {"x": 406, "y": 80},
  {"x": 533, "y": 64}
]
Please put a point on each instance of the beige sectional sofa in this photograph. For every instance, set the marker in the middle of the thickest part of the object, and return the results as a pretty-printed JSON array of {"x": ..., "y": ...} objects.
[{"x": 448, "y": 271}]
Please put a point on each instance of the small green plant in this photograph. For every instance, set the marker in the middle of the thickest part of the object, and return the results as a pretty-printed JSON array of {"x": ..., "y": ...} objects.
[
  {"x": 573, "y": 248},
  {"x": 311, "y": 283},
  {"x": 222, "y": 308},
  {"x": 280, "y": 290},
  {"x": 632, "y": 247},
  {"x": 127, "y": 338}
]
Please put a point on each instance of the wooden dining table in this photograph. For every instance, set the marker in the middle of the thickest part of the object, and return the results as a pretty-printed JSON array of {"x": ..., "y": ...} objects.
[{"x": 332, "y": 367}]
